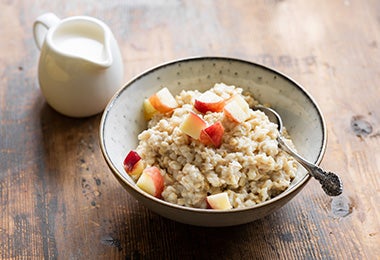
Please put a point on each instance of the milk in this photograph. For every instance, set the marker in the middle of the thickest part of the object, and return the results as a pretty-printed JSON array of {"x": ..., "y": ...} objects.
[{"x": 81, "y": 47}]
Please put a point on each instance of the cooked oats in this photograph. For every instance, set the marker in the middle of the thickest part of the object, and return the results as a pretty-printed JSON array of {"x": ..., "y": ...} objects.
[{"x": 248, "y": 165}]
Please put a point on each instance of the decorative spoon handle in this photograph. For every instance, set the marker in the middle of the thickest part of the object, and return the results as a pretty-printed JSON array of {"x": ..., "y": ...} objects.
[{"x": 331, "y": 183}]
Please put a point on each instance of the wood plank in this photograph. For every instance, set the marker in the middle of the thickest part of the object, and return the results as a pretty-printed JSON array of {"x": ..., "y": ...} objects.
[{"x": 59, "y": 200}]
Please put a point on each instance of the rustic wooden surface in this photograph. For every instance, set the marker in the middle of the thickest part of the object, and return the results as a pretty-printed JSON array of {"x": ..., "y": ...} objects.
[{"x": 59, "y": 200}]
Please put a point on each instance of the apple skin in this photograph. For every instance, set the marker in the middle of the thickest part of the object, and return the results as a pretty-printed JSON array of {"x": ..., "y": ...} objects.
[
  {"x": 151, "y": 181},
  {"x": 219, "y": 201},
  {"x": 205, "y": 139},
  {"x": 212, "y": 134},
  {"x": 237, "y": 109},
  {"x": 133, "y": 164},
  {"x": 209, "y": 101},
  {"x": 163, "y": 101},
  {"x": 193, "y": 125}
]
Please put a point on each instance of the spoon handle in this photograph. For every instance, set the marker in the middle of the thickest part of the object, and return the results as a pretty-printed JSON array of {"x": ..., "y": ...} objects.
[{"x": 331, "y": 183}]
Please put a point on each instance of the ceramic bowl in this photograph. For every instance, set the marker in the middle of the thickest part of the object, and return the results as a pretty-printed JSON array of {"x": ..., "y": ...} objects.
[{"x": 123, "y": 120}]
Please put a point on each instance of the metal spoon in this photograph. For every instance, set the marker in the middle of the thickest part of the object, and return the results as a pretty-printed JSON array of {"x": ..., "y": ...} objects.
[{"x": 331, "y": 183}]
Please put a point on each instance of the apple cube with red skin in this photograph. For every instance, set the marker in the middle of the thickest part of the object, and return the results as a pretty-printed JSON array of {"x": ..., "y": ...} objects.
[
  {"x": 209, "y": 101},
  {"x": 163, "y": 101},
  {"x": 212, "y": 134},
  {"x": 193, "y": 125},
  {"x": 151, "y": 181},
  {"x": 133, "y": 164},
  {"x": 237, "y": 109},
  {"x": 219, "y": 201}
]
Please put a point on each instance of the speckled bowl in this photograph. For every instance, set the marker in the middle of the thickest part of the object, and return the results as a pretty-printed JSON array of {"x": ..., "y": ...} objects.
[{"x": 123, "y": 120}]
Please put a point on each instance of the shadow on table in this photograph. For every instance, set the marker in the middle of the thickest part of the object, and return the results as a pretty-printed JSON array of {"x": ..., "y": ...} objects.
[
  {"x": 157, "y": 237},
  {"x": 67, "y": 139}
]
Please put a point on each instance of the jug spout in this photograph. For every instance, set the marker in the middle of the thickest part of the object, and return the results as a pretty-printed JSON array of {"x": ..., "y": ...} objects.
[{"x": 86, "y": 39}]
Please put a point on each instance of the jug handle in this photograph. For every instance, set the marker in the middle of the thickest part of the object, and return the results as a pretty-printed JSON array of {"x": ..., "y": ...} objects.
[{"x": 41, "y": 26}]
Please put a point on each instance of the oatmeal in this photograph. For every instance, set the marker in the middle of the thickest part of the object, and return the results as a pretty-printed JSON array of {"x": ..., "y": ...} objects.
[{"x": 235, "y": 152}]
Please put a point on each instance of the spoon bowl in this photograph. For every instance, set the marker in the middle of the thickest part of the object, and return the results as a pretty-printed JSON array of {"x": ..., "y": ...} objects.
[{"x": 331, "y": 183}]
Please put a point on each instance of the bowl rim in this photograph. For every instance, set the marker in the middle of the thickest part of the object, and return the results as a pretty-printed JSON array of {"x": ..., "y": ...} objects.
[{"x": 281, "y": 196}]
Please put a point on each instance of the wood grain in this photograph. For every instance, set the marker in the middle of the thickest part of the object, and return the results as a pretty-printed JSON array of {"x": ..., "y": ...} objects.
[{"x": 59, "y": 200}]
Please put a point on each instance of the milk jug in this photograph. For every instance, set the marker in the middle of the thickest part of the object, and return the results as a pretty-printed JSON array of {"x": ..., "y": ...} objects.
[{"x": 80, "y": 66}]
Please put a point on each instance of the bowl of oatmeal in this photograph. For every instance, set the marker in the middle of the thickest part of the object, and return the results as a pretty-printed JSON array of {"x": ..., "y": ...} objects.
[{"x": 183, "y": 140}]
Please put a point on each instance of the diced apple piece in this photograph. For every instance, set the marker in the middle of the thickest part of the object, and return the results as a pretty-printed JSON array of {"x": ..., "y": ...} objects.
[
  {"x": 204, "y": 138},
  {"x": 193, "y": 125},
  {"x": 209, "y": 101},
  {"x": 151, "y": 181},
  {"x": 133, "y": 164},
  {"x": 237, "y": 109},
  {"x": 212, "y": 134},
  {"x": 149, "y": 110},
  {"x": 219, "y": 201},
  {"x": 163, "y": 101}
]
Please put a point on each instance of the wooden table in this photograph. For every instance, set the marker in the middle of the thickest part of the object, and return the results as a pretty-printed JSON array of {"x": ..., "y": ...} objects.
[{"x": 59, "y": 200}]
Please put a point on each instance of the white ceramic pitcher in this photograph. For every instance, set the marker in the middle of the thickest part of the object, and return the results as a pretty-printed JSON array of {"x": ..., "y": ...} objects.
[{"x": 80, "y": 66}]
